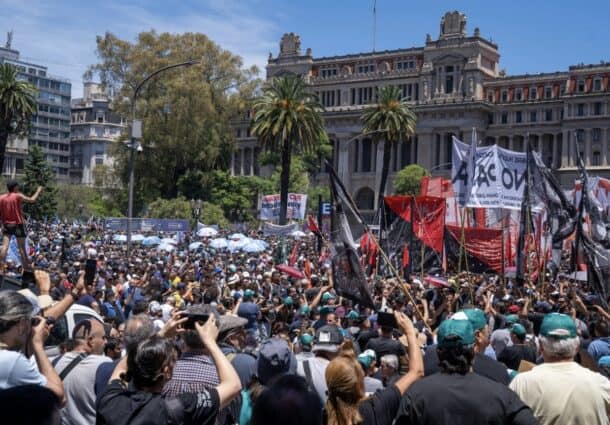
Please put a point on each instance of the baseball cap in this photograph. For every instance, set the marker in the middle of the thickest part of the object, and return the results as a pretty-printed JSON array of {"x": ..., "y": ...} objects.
[
  {"x": 559, "y": 326},
  {"x": 365, "y": 360},
  {"x": 352, "y": 315},
  {"x": 274, "y": 358},
  {"x": 327, "y": 296},
  {"x": 328, "y": 338},
  {"x": 518, "y": 330},
  {"x": 248, "y": 293},
  {"x": 475, "y": 316},
  {"x": 604, "y": 361},
  {"x": 288, "y": 301},
  {"x": 306, "y": 339},
  {"x": 232, "y": 268},
  {"x": 453, "y": 333},
  {"x": 245, "y": 275},
  {"x": 154, "y": 307},
  {"x": 511, "y": 318},
  {"x": 513, "y": 309}
]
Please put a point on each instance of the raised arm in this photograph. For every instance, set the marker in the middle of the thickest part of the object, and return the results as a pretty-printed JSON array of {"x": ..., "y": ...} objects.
[
  {"x": 416, "y": 361},
  {"x": 39, "y": 335},
  {"x": 31, "y": 199},
  {"x": 230, "y": 385}
]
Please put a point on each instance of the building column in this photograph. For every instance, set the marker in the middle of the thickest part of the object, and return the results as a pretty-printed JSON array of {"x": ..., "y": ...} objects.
[
  {"x": 565, "y": 149},
  {"x": 252, "y": 161},
  {"x": 232, "y": 163},
  {"x": 343, "y": 162},
  {"x": 588, "y": 152},
  {"x": 441, "y": 150},
  {"x": 604, "y": 145}
]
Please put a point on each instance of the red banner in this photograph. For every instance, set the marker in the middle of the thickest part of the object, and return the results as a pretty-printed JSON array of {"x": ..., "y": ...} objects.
[{"x": 484, "y": 244}]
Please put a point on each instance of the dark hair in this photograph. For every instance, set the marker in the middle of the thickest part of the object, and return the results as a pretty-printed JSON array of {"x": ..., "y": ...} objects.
[
  {"x": 151, "y": 356},
  {"x": 11, "y": 185},
  {"x": 455, "y": 359},
  {"x": 288, "y": 400},
  {"x": 16, "y": 405},
  {"x": 111, "y": 344},
  {"x": 192, "y": 340}
]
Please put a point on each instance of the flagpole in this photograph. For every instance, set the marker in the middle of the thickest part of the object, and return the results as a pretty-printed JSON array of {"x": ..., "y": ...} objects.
[{"x": 376, "y": 242}]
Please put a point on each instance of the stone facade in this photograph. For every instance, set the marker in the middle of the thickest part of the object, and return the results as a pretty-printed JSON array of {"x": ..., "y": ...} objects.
[{"x": 454, "y": 84}]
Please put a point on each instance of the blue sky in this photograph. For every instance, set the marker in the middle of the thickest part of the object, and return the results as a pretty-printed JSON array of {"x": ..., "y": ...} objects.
[{"x": 533, "y": 36}]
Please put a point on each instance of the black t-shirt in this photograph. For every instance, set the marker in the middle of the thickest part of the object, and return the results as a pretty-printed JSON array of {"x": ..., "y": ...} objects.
[
  {"x": 381, "y": 407},
  {"x": 482, "y": 365},
  {"x": 382, "y": 346},
  {"x": 120, "y": 406},
  {"x": 365, "y": 336},
  {"x": 470, "y": 399},
  {"x": 512, "y": 355}
]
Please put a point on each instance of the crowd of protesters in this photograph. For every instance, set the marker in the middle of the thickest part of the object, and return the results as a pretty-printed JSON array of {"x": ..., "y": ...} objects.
[{"x": 217, "y": 337}]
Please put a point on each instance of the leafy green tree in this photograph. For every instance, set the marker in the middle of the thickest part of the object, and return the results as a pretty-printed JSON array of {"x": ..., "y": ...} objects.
[
  {"x": 185, "y": 111},
  {"x": 81, "y": 202},
  {"x": 391, "y": 120},
  {"x": 213, "y": 214},
  {"x": 408, "y": 180},
  {"x": 38, "y": 173},
  {"x": 180, "y": 207},
  {"x": 17, "y": 105},
  {"x": 313, "y": 195},
  {"x": 287, "y": 119}
]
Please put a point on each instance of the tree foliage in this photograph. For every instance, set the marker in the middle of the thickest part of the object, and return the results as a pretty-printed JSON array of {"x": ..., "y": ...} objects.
[
  {"x": 287, "y": 119},
  {"x": 392, "y": 120},
  {"x": 185, "y": 111},
  {"x": 75, "y": 201},
  {"x": 181, "y": 208},
  {"x": 17, "y": 105},
  {"x": 38, "y": 173},
  {"x": 408, "y": 180}
]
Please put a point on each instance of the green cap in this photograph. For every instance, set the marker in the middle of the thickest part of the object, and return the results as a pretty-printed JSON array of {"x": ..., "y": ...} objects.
[
  {"x": 288, "y": 300},
  {"x": 248, "y": 293},
  {"x": 306, "y": 339},
  {"x": 305, "y": 309},
  {"x": 327, "y": 309},
  {"x": 512, "y": 318},
  {"x": 327, "y": 296},
  {"x": 352, "y": 315},
  {"x": 365, "y": 360},
  {"x": 453, "y": 333},
  {"x": 518, "y": 330},
  {"x": 559, "y": 326},
  {"x": 475, "y": 316}
]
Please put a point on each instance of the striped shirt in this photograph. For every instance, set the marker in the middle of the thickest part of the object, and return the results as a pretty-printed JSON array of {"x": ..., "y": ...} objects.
[{"x": 192, "y": 373}]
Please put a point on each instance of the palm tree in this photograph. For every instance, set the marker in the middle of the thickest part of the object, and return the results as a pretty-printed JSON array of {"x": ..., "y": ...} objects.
[
  {"x": 392, "y": 120},
  {"x": 17, "y": 105},
  {"x": 287, "y": 120}
]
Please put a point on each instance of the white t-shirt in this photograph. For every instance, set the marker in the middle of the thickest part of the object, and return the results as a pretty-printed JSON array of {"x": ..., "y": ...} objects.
[
  {"x": 564, "y": 393},
  {"x": 317, "y": 365},
  {"x": 16, "y": 369}
]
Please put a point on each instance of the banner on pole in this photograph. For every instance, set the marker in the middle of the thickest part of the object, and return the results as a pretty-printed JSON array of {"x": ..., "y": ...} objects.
[
  {"x": 499, "y": 176},
  {"x": 270, "y": 207}
]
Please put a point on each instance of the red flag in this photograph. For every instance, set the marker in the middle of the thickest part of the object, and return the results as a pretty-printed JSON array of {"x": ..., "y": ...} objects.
[
  {"x": 313, "y": 225},
  {"x": 293, "y": 257},
  {"x": 405, "y": 256}
]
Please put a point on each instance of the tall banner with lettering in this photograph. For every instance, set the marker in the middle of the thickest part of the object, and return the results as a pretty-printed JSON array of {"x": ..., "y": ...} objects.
[
  {"x": 499, "y": 176},
  {"x": 270, "y": 207}
]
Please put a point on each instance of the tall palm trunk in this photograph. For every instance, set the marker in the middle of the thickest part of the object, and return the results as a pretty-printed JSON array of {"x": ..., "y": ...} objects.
[
  {"x": 385, "y": 170},
  {"x": 285, "y": 179}
]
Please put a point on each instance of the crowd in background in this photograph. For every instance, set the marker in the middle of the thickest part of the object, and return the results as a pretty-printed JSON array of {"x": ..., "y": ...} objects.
[{"x": 212, "y": 336}]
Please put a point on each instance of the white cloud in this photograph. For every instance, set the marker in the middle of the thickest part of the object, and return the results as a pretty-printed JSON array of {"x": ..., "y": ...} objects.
[{"x": 61, "y": 35}]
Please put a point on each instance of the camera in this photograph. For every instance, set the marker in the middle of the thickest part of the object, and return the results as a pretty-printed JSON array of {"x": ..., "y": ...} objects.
[{"x": 195, "y": 318}]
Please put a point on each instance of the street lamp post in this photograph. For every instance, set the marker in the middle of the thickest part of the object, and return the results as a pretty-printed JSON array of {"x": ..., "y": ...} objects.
[{"x": 136, "y": 133}]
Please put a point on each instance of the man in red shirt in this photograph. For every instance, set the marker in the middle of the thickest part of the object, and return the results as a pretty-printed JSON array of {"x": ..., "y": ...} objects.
[{"x": 13, "y": 222}]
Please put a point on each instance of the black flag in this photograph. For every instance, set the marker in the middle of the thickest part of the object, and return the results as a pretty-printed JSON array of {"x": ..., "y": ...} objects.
[
  {"x": 524, "y": 223},
  {"x": 348, "y": 276}
]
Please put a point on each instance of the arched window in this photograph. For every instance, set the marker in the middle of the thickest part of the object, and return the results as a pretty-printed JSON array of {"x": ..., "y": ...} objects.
[{"x": 365, "y": 199}]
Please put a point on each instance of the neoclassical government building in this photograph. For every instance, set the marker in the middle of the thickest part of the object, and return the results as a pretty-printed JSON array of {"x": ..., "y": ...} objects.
[{"x": 454, "y": 83}]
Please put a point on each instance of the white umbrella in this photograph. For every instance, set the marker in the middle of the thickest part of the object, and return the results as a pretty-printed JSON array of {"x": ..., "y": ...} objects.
[
  {"x": 120, "y": 238},
  {"x": 151, "y": 240},
  {"x": 219, "y": 243},
  {"x": 255, "y": 245},
  {"x": 166, "y": 247},
  {"x": 297, "y": 234},
  {"x": 137, "y": 238},
  {"x": 237, "y": 236},
  {"x": 237, "y": 244},
  {"x": 169, "y": 241},
  {"x": 206, "y": 232},
  {"x": 195, "y": 246}
]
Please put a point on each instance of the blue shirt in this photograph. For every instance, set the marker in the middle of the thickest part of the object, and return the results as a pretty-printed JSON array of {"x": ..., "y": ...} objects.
[{"x": 599, "y": 348}]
